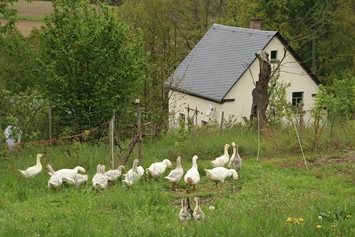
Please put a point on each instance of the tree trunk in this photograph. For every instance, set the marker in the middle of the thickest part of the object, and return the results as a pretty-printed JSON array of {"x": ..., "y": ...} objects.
[{"x": 260, "y": 92}]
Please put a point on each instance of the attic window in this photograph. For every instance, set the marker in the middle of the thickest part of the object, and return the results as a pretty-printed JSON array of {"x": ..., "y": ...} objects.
[
  {"x": 297, "y": 98},
  {"x": 273, "y": 56}
]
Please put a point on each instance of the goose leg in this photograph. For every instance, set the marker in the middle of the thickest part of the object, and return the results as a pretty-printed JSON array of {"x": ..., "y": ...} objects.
[{"x": 187, "y": 189}]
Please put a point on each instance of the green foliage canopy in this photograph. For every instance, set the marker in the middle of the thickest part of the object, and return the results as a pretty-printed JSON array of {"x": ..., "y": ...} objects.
[{"x": 90, "y": 62}]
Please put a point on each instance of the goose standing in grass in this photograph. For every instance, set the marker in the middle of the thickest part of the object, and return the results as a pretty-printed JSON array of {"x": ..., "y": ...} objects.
[
  {"x": 158, "y": 168},
  {"x": 32, "y": 171},
  {"x": 175, "y": 175},
  {"x": 184, "y": 215},
  {"x": 99, "y": 181},
  {"x": 219, "y": 174},
  {"x": 198, "y": 213},
  {"x": 222, "y": 160},
  {"x": 235, "y": 161},
  {"x": 115, "y": 174},
  {"x": 55, "y": 180},
  {"x": 192, "y": 176},
  {"x": 133, "y": 174}
]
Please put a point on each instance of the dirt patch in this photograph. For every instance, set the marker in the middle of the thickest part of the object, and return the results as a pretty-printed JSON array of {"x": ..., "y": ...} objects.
[
  {"x": 34, "y": 8},
  {"x": 26, "y": 26}
]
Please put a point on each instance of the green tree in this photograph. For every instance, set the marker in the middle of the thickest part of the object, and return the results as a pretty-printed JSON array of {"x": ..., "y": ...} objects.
[
  {"x": 91, "y": 63},
  {"x": 9, "y": 13}
]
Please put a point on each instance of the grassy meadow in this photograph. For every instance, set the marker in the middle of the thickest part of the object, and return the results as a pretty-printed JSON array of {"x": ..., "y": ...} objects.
[{"x": 275, "y": 195}]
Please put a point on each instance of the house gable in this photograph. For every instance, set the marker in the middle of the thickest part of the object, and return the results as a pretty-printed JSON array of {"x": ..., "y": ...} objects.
[{"x": 218, "y": 60}]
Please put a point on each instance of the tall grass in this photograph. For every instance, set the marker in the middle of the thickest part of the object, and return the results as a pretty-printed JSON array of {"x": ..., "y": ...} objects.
[{"x": 268, "y": 192}]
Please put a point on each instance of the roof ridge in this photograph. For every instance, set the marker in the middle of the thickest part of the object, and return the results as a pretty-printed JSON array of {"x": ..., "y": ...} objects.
[{"x": 248, "y": 30}]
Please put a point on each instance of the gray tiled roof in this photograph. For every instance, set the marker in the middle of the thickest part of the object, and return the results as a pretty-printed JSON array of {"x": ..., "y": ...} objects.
[{"x": 218, "y": 60}]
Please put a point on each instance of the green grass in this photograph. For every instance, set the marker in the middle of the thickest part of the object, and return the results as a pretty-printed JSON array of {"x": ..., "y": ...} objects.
[
  {"x": 30, "y": 18},
  {"x": 267, "y": 194}
]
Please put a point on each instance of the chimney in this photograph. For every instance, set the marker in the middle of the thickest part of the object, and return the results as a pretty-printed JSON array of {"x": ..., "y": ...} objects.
[{"x": 255, "y": 24}]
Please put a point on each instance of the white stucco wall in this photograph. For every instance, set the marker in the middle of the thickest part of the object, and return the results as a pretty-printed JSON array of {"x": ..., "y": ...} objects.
[{"x": 290, "y": 72}]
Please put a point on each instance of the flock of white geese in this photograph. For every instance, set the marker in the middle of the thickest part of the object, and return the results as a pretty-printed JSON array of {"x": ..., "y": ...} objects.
[{"x": 100, "y": 180}]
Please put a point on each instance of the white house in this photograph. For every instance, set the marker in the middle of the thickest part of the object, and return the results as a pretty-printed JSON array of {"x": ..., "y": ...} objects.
[{"x": 217, "y": 75}]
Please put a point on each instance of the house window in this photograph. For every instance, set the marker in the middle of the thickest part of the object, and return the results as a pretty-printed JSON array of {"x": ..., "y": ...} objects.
[
  {"x": 182, "y": 120},
  {"x": 297, "y": 97},
  {"x": 273, "y": 56}
]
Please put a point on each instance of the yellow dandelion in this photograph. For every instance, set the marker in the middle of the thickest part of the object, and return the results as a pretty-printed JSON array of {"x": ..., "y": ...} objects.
[
  {"x": 319, "y": 226},
  {"x": 289, "y": 220},
  {"x": 300, "y": 219},
  {"x": 296, "y": 221},
  {"x": 348, "y": 216}
]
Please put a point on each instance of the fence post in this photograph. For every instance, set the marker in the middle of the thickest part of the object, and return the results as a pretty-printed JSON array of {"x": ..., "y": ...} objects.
[
  {"x": 139, "y": 130},
  {"x": 221, "y": 126},
  {"x": 258, "y": 116},
  {"x": 112, "y": 138}
]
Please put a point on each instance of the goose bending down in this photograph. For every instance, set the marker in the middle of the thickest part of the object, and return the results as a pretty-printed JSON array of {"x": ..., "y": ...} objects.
[
  {"x": 80, "y": 179},
  {"x": 222, "y": 160},
  {"x": 198, "y": 213},
  {"x": 235, "y": 161},
  {"x": 192, "y": 176},
  {"x": 133, "y": 174},
  {"x": 115, "y": 174},
  {"x": 219, "y": 174},
  {"x": 184, "y": 215},
  {"x": 175, "y": 175},
  {"x": 99, "y": 181},
  {"x": 55, "y": 180},
  {"x": 158, "y": 168},
  {"x": 70, "y": 173},
  {"x": 32, "y": 171}
]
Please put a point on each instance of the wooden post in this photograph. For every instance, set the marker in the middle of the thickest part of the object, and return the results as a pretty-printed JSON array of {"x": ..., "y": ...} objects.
[
  {"x": 188, "y": 118},
  {"x": 331, "y": 127},
  {"x": 139, "y": 130},
  {"x": 50, "y": 122},
  {"x": 221, "y": 126}
]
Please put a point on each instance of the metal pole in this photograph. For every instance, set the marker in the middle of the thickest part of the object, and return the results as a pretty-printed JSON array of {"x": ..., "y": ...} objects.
[
  {"x": 112, "y": 138},
  {"x": 258, "y": 115},
  {"x": 50, "y": 122},
  {"x": 139, "y": 130}
]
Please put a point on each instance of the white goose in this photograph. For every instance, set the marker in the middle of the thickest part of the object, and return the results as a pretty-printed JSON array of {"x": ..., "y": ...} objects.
[
  {"x": 219, "y": 174},
  {"x": 55, "y": 180},
  {"x": 70, "y": 173},
  {"x": 133, "y": 174},
  {"x": 184, "y": 215},
  {"x": 198, "y": 213},
  {"x": 80, "y": 179},
  {"x": 222, "y": 160},
  {"x": 99, "y": 181},
  {"x": 115, "y": 174},
  {"x": 158, "y": 168},
  {"x": 192, "y": 176},
  {"x": 175, "y": 175},
  {"x": 235, "y": 161},
  {"x": 32, "y": 171}
]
